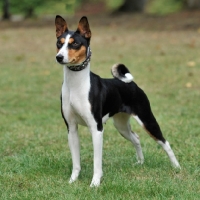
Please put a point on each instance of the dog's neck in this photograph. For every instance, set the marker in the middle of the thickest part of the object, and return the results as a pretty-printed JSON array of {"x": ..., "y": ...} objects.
[
  {"x": 76, "y": 80},
  {"x": 78, "y": 76}
]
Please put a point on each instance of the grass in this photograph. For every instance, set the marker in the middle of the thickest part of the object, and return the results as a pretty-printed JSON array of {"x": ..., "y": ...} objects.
[{"x": 35, "y": 162}]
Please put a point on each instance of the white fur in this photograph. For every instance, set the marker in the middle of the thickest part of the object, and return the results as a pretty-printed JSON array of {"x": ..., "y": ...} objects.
[
  {"x": 77, "y": 110},
  {"x": 105, "y": 118},
  {"x": 63, "y": 51},
  {"x": 138, "y": 120},
  {"x": 122, "y": 124},
  {"x": 128, "y": 78},
  {"x": 170, "y": 153}
]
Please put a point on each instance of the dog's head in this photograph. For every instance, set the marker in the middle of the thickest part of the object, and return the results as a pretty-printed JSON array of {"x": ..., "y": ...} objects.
[{"x": 72, "y": 46}]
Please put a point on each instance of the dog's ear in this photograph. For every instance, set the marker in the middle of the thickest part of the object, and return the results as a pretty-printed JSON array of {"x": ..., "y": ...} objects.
[
  {"x": 61, "y": 26},
  {"x": 84, "y": 28}
]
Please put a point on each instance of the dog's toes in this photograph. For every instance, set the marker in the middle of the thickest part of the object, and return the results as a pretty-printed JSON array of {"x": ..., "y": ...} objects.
[
  {"x": 176, "y": 165},
  {"x": 73, "y": 179},
  {"x": 74, "y": 176},
  {"x": 139, "y": 162},
  {"x": 95, "y": 182}
]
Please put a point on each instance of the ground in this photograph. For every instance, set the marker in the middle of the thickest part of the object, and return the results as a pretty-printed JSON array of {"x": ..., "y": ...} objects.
[{"x": 162, "y": 53}]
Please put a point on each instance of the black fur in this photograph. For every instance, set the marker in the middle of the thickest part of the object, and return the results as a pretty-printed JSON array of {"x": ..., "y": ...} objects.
[
  {"x": 111, "y": 96},
  {"x": 121, "y": 70}
]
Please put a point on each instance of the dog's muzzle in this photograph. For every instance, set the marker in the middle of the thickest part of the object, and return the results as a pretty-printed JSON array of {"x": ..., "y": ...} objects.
[{"x": 75, "y": 67}]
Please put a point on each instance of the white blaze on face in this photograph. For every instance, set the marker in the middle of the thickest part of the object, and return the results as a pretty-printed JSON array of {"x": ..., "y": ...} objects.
[{"x": 64, "y": 50}]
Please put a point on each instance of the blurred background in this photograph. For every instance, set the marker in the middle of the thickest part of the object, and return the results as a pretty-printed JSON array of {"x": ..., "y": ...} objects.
[
  {"x": 158, "y": 40},
  {"x": 15, "y": 10}
]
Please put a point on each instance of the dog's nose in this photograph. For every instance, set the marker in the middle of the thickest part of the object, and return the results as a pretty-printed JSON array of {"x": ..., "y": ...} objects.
[{"x": 59, "y": 58}]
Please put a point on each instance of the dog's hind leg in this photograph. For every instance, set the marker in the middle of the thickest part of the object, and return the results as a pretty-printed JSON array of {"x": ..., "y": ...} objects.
[
  {"x": 149, "y": 123},
  {"x": 74, "y": 146},
  {"x": 166, "y": 146},
  {"x": 122, "y": 124}
]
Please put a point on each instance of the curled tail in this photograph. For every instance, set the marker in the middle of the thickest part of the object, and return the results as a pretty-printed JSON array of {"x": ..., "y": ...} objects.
[{"x": 122, "y": 73}]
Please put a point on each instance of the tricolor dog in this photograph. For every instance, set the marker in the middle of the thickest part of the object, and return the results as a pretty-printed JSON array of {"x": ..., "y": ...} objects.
[{"x": 89, "y": 100}]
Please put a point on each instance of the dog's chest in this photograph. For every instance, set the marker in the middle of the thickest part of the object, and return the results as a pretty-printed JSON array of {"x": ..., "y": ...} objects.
[{"x": 75, "y": 100}]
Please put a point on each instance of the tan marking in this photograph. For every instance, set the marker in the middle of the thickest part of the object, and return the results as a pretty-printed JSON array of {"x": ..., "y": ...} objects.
[
  {"x": 71, "y": 40},
  {"x": 77, "y": 56},
  {"x": 143, "y": 126},
  {"x": 62, "y": 40},
  {"x": 150, "y": 134},
  {"x": 61, "y": 26}
]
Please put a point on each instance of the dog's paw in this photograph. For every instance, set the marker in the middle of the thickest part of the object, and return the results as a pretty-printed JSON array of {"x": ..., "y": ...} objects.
[
  {"x": 139, "y": 162},
  {"x": 95, "y": 181},
  {"x": 176, "y": 165},
  {"x": 73, "y": 178}
]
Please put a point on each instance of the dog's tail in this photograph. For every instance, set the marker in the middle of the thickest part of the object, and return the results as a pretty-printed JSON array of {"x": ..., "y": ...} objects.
[{"x": 121, "y": 72}]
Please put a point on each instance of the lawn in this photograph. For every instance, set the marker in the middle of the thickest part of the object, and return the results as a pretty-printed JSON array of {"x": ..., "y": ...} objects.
[{"x": 35, "y": 162}]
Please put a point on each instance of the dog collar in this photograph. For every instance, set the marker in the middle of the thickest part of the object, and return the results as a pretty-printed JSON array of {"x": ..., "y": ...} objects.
[{"x": 83, "y": 65}]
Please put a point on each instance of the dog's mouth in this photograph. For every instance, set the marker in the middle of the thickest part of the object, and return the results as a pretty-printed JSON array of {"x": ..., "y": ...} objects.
[
  {"x": 68, "y": 64},
  {"x": 72, "y": 65},
  {"x": 60, "y": 60}
]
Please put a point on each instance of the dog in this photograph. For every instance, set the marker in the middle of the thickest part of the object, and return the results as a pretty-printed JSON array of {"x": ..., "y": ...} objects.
[{"x": 87, "y": 99}]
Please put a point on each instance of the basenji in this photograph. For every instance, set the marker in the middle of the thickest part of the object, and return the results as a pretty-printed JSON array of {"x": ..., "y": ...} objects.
[{"x": 89, "y": 100}]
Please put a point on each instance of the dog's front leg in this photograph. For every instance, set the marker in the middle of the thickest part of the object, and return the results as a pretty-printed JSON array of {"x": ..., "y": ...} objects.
[
  {"x": 74, "y": 146},
  {"x": 97, "y": 139}
]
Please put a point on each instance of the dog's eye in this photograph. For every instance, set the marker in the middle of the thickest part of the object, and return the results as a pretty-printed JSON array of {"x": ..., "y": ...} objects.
[
  {"x": 59, "y": 44},
  {"x": 75, "y": 44}
]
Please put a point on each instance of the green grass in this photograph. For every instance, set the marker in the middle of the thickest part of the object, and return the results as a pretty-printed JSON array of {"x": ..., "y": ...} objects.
[
  {"x": 165, "y": 7},
  {"x": 35, "y": 162}
]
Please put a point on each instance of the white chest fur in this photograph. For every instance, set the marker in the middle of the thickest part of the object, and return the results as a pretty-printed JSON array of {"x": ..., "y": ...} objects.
[{"x": 75, "y": 95}]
